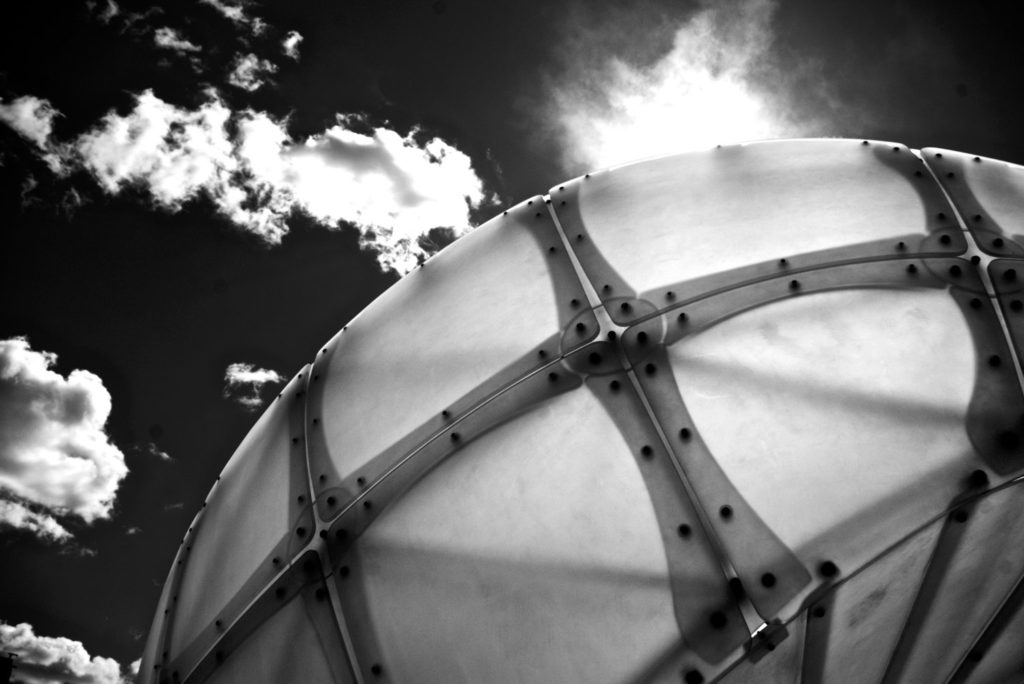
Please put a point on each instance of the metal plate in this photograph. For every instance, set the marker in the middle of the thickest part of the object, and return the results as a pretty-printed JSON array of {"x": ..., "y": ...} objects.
[
  {"x": 287, "y": 647},
  {"x": 988, "y": 193},
  {"x": 646, "y": 225},
  {"x": 471, "y": 321},
  {"x": 259, "y": 502},
  {"x": 860, "y": 627},
  {"x": 998, "y": 656},
  {"x": 536, "y": 541},
  {"x": 957, "y": 606},
  {"x": 812, "y": 413}
]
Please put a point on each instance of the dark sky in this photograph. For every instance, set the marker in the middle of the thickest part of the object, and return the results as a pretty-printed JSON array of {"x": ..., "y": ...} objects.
[{"x": 157, "y": 298}]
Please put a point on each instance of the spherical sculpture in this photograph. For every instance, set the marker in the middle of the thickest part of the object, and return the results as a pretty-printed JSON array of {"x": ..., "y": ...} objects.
[{"x": 745, "y": 415}]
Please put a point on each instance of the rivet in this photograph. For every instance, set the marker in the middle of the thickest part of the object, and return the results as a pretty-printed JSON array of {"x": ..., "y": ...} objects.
[
  {"x": 367, "y": 504},
  {"x": 979, "y": 478},
  {"x": 955, "y": 271},
  {"x": 693, "y": 677},
  {"x": 942, "y": 216},
  {"x": 361, "y": 481},
  {"x": 376, "y": 670},
  {"x": 563, "y": 203},
  {"x": 587, "y": 175},
  {"x": 977, "y": 159},
  {"x": 552, "y": 250},
  {"x": 322, "y": 478},
  {"x": 316, "y": 377},
  {"x": 547, "y": 201},
  {"x": 950, "y": 175},
  {"x": 650, "y": 369},
  {"x": 606, "y": 288},
  {"x": 901, "y": 245},
  {"x": 315, "y": 421},
  {"x": 300, "y": 531},
  {"x": 218, "y": 624},
  {"x": 975, "y": 303},
  {"x": 725, "y": 511},
  {"x": 670, "y": 295},
  {"x": 295, "y": 440},
  {"x": 323, "y": 534},
  {"x": 998, "y": 243},
  {"x": 541, "y": 353},
  {"x": 529, "y": 202},
  {"x": 794, "y": 284},
  {"x": 783, "y": 263},
  {"x": 863, "y": 142},
  {"x": 647, "y": 451},
  {"x": 681, "y": 317},
  {"x": 718, "y": 620},
  {"x": 960, "y": 516},
  {"x": 975, "y": 259},
  {"x": 537, "y": 215},
  {"x": 579, "y": 236},
  {"x": 279, "y": 592},
  {"x": 938, "y": 155},
  {"x": 977, "y": 217},
  {"x": 300, "y": 498},
  {"x": 641, "y": 337},
  {"x": 1016, "y": 305},
  {"x": 828, "y": 569},
  {"x": 595, "y": 359},
  {"x": 945, "y": 239},
  {"x": 818, "y": 611},
  {"x": 1010, "y": 274},
  {"x": 895, "y": 149},
  {"x": 574, "y": 303},
  {"x": 684, "y": 530},
  {"x": 684, "y": 434},
  {"x": 911, "y": 269},
  {"x": 614, "y": 385},
  {"x": 343, "y": 571},
  {"x": 561, "y": 187},
  {"x": 612, "y": 335},
  {"x": 331, "y": 501},
  {"x": 581, "y": 327},
  {"x": 275, "y": 560},
  {"x": 768, "y": 580},
  {"x": 552, "y": 377},
  {"x": 918, "y": 174},
  {"x": 324, "y": 350},
  {"x": 994, "y": 361},
  {"x": 625, "y": 306},
  {"x": 455, "y": 437}
]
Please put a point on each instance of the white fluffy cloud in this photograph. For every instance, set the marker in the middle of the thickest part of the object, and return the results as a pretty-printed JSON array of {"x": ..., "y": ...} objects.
[
  {"x": 47, "y": 660},
  {"x": 235, "y": 10},
  {"x": 54, "y": 452},
  {"x": 290, "y": 44},
  {"x": 249, "y": 72},
  {"x": 170, "y": 39},
  {"x": 394, "y": 189},
  {"x": 704, "y": 91},
  {"x": 31, "y": 117},
  {"x": 244, "y": 383},
  {"x": 19, "y": 516}
]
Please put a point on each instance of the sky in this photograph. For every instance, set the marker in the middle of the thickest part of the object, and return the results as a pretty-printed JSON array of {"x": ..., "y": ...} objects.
[{"x": 195, "y": 196}]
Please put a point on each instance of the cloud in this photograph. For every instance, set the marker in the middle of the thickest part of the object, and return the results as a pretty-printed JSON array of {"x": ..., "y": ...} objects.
[
  {"x": 131, "y": 531},
  {"x": 45, "y": 660},
  {"x": 169, "y": 39},
  {"x": 234, "y": 10},
  {"x": 614, "y": 103},
  {"x": 54, "y": 452},
  {"x": 243, "y": 383},
  {"x": 19, "y": 516},
  {"x": 31, "y": 118},
  {"x": 249, "y": 72},
  {"x": 153, "y": 450},
  {"x": 290, "y": 44},
  {"x": 109, "y": 11}
]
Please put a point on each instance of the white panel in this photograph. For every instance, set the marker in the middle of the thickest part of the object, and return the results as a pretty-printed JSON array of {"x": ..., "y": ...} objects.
[
  {"x": 990, "y": 189},
  {"x": 440, "y": 332},
  {"x": 533, "y": 555},
  {"x": 987, "y": 565},
  {"x": 247, "y": 517},
  {"x": 869, "y": 611},
  {"x": 839, "y": 416},
  {"x": 685, "y": 216},
  {"x": 285, "y": 648}
]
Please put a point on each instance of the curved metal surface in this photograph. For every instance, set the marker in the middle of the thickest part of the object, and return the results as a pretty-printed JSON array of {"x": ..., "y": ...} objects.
[{"x": 714, "y": 417}]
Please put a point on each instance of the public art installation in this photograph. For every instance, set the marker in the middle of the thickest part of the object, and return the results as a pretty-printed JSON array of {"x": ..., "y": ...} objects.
[{"x": 752, "y": 414}]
